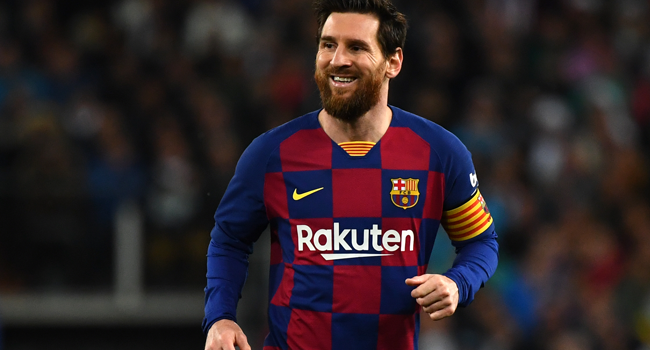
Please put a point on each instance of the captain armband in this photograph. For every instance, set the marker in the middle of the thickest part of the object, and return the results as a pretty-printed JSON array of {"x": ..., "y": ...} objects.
[{"x": 467, "y": 221}]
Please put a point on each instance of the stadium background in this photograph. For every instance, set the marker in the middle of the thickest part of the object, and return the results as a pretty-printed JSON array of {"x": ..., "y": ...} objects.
[{"x": 121, "y": 123}]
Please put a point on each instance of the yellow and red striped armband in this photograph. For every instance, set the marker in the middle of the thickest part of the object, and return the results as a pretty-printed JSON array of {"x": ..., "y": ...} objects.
[{"x": 467, "y": 221}]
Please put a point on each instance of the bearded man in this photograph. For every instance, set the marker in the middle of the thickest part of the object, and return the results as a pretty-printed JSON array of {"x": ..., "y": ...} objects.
[{"x": 354, "y": 194}]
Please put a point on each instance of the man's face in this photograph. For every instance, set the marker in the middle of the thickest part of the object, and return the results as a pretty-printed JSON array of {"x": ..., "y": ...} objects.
[{"x": 350, "y": 66}]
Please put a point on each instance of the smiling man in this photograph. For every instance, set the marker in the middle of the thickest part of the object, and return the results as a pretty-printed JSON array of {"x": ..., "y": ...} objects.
[{"x": 354, "y": 194}]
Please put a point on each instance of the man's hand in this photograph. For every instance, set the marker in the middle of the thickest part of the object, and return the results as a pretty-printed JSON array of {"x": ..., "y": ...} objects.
[
  {"x": 437, "y": 294},
  {"x": 224, "y": 335}
]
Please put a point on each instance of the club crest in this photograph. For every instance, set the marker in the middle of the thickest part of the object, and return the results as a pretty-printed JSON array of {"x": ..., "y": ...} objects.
[
  {"x": 404, "y": 192},
  {"x": 483, "y": 204}
]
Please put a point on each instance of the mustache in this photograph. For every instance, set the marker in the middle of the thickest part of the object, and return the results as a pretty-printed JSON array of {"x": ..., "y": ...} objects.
[{"x": 339, "y": 70}]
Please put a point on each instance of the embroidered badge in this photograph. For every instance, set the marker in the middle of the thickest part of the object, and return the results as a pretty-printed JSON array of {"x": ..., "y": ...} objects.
[
  {"x": 483, "y": 204},
  {"x": 404, "y": 193}
]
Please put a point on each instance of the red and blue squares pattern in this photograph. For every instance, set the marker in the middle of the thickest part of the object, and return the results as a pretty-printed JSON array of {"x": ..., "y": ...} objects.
[{"x": 341, "y": 249}]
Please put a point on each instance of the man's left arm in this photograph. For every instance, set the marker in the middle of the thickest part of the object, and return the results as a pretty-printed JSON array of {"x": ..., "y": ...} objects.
[
  {"x": 470, "y": 227},
  {"x": 475, "y": 262},
  {"x": 471, "y": 230}
]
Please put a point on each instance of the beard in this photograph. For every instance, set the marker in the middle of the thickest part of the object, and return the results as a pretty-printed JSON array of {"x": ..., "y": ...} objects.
[{"x": 363, "y": 98}]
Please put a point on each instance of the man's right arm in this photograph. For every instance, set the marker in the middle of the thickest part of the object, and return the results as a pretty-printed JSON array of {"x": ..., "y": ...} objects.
[{"x": 239, "y": 221}]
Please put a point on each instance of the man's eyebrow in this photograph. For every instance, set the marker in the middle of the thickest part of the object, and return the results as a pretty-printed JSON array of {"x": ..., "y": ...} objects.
[
  {"x": 327, "y": 38},
  {"x": 350, "y": 42},
  {"x": 358, "y": 42}
]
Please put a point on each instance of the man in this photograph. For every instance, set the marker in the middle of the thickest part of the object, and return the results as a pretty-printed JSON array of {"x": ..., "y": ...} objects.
[{"x": 354, "y": 195}]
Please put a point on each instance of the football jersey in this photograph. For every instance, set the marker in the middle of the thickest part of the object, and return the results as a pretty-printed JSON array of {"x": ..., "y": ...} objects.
[{"x": 347, "y": 231}]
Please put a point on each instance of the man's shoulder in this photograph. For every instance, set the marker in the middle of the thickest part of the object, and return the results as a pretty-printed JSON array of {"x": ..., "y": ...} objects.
[
  {"x": 436, "y": 135},
  {"x": 261, "y": 149},
  {"x": 273, "y": 137}
]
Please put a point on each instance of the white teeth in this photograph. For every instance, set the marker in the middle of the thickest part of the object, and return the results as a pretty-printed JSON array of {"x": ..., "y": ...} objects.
[{"x": 343, "y": 80}]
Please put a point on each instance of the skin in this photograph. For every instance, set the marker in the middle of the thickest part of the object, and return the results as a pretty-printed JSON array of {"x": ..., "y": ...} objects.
[
  {"x": 436, "y": 294},
  {"x": 349, "y": 44},
  {"x": 349, "y": 40},
  {"x": 224, "y": 335}
]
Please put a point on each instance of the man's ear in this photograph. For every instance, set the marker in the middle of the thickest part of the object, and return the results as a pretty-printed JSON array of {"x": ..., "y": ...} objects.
[{"x": 394, "y": 63}]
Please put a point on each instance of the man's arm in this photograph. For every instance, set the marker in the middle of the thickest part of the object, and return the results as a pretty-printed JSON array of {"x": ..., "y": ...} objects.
[
  {"x": 470, "y": 227},
  {"x": 475, "y": 263},
  {"x": 239, "y": 221},
  {"x": 227, "y": 271}
]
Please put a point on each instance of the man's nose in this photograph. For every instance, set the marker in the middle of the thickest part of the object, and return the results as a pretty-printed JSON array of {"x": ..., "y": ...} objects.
[{"x": 341, "y": 57}]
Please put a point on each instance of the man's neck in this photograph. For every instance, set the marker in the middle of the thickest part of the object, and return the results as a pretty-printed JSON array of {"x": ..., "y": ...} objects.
[{"x": 369, "y": 127}]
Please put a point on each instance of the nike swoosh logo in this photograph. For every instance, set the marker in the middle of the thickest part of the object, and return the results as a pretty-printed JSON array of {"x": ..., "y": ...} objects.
[{"x": 297, "y": 197}]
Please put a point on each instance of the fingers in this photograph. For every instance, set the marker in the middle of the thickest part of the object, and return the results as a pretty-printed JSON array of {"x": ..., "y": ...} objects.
[
  {"x": 432, "y": 292},
  {"x": 224, "y": 343},
  {"x": 437, "y": 294},
  {"x": 228, "y": 342},
  {"x": 227, "y": 346},
  {"x": 437, "y": 305},
  {"x": 416, "y": 281},
  {"x": 242, "y": 341},
  {"x": 431, "y": 298},
  {"x": 441, "y": 313},
  {"x": 225, "y": 335},
  {"x": 427, "y": 284},
  {"x": 220, "y": 343}
]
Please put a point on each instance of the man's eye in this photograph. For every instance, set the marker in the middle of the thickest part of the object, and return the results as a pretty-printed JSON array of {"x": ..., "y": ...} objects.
[{"x": 328, "y": 45}]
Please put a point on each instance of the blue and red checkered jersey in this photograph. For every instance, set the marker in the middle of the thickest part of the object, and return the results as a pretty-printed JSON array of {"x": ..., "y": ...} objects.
[{"x": 347, "y": 231}]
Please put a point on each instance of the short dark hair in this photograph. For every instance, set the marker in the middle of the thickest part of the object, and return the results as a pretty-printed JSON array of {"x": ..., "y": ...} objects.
[{"x": 392, "y": 24}]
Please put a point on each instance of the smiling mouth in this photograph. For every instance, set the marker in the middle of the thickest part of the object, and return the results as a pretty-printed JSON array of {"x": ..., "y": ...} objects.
[{"x": 343, "y": 80}]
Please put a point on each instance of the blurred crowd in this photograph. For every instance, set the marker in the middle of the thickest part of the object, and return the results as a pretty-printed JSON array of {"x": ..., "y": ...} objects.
[{"x": 152, "y": 102}]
